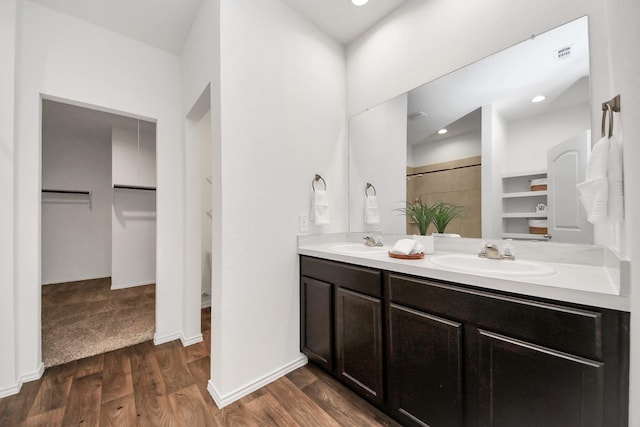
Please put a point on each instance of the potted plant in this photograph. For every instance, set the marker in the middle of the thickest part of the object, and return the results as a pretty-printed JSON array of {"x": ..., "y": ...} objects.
[
  {"x": 420, "y": 213},
  {"x": 443, "y": 214}
]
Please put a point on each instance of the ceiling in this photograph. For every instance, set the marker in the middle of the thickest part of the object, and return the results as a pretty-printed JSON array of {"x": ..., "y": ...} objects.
[
  {"x": 165, "y": 24},
  {"x": 340, "y": 18},
  {"x": 506, "y": 80}
]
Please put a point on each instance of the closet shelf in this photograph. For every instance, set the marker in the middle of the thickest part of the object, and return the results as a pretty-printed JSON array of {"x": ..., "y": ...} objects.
[
  {"x": 524, "y": 215},
  {"x": 524, "y": 194},
  {"x": 133, "y": 187}
]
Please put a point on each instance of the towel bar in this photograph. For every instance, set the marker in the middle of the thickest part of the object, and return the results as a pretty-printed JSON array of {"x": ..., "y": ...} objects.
[{"x": 318, "y": 178}]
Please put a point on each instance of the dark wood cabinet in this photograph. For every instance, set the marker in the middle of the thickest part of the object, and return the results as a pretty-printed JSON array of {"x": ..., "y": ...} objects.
[
  {"x": 425, "y": 368},
  {"x": 341, "y": 323},
  {"x": 359, "y": 342},
  {"x": 316, "y": 314},
  {"x": 522, "y": 361},
  {"x": 523, "y": 384},
  {"x": 432, "y": 353}
]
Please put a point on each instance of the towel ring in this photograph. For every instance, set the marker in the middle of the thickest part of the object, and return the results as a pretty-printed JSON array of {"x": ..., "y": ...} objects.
[
  {"x": 369, "y": 185},
  {"x": 608, "y": 108},
  {"x": 318, "y": 178}
]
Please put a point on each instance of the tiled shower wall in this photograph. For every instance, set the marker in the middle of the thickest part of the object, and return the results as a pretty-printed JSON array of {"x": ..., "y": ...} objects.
[{"x": 457, "y": 182}]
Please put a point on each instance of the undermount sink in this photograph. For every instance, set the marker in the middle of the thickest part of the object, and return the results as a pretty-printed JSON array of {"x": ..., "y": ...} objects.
[
  {"x": 358, "y": 249},
  {"x": 475, "y": 264}
]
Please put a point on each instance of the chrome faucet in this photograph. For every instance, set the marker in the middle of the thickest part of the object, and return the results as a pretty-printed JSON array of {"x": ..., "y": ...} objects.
[
  {"x": 371, "y": 241},
  {"x": 491, "y": 251}
]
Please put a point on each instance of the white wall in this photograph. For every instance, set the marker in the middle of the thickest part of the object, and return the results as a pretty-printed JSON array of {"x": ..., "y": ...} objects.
[
  {"x": 613, "y": 41},
  {"x": 379, "y": 133},
  {"x": 76, "y": 230},
  {"x": 623, "y": 40},
  {"x": 63, "y": 57},
  {"x": 542, "y": 132},
  {"x": 282, "y": 121},
  {"x": 8, "y": 377},
  {"x": 133, "y": 213},
  {"x": 445, "y": 150},
  {"x": 494, "y": 140},
  {"x": 203, "y": 138}
]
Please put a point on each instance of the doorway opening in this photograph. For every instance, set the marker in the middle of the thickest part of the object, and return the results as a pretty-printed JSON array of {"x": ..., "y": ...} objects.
[{"x": 98, "y": 231}]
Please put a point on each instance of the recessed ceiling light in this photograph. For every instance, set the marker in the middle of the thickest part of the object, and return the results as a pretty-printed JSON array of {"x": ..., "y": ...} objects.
[
  {"x": 442, "y": 131},
  {"x": 538, "y": 98},
  {"x": 359, "y": 2}
]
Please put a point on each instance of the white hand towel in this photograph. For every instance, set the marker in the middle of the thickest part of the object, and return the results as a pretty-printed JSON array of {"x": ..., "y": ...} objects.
[
  {"x": 371, "y": 215},
  {"x": 407, "y": 247},
  {"x": 594, "y": 191},
  {"x": 321, "y": 214},
  {"x": 614, "y": 175}
]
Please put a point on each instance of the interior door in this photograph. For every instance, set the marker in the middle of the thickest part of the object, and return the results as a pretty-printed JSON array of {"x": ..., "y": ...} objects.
[{"x": 567, "y": 162}]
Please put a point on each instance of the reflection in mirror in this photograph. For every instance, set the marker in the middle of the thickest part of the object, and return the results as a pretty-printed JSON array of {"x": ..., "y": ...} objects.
[{"x": 498, "y": 143}]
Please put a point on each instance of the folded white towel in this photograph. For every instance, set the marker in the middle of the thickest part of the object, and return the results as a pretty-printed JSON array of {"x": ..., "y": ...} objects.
[
  {"x": 321, "y": 214},
  {"x": 371, "y": 214},
  {"x": 407, "y": 247},
  {"x": 594, "y": 191},
  {"x": 614, "y": 175}
]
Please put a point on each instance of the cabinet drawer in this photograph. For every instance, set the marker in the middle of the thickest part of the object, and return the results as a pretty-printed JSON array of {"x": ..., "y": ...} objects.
[
  {"x": 575, "y": 331},
  {"x": 360, "y": 279}
]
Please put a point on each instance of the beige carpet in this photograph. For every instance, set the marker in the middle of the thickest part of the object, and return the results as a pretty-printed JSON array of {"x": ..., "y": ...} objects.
[{"x": 85, "y": 318}]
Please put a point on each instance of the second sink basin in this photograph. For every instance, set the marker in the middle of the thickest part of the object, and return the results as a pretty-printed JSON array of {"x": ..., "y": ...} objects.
[
  {"x": 474, "y": 264},
  {"x": 358, "y": 249}
]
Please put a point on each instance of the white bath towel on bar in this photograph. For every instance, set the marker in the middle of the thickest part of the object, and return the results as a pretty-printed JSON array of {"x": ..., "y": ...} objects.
[
  {"x": 594, "y": 191},
  {"x": 371, "y": 214},
  {"x": 321, "y": 214},
  {"x": 614, "y": 176}
]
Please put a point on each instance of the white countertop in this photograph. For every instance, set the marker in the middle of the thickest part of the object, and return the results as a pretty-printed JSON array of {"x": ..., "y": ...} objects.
[{"x": 576, "y": 283}]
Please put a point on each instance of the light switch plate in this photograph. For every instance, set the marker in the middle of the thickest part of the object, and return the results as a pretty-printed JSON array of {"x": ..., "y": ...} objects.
[{"x": 303, "y": 223}]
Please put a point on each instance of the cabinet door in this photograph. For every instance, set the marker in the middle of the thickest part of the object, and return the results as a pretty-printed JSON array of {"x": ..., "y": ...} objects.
[
  {"x": 523, "y": 384},
  {"x": 359, "y": 342},
  {"x": 425, "y": 368},
  {"x": 316, "y": 315}
]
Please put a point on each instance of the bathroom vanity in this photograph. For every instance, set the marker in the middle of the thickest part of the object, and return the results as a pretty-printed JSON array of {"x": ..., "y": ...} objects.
[{"x": 445, "y": 352}]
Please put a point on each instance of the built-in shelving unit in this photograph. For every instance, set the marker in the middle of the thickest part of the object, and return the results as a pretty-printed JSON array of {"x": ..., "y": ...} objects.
[
  {"x": 519, "y": 204},
  {"x": 69, "y": 196}
]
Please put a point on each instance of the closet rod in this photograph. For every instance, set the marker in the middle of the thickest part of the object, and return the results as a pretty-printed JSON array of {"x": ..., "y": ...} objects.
[
  {"x": 133, "y": 187},
  {"x": 48, "y": 190}
]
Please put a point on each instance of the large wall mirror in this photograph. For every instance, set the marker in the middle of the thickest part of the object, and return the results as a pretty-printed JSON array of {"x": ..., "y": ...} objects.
[{"x": 510, "y": 162}]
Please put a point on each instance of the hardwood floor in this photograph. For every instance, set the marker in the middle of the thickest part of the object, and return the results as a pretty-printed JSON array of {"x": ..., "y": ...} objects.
[{"x": 165, "y": 385}]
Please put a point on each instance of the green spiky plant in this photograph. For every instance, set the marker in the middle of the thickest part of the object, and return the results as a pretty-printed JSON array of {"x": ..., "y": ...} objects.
[
  {"x": 444, "y": 213},
  {"x": 420, "y": 213}
]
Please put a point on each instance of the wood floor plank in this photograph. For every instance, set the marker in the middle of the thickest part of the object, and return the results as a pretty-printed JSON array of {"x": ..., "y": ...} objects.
[
  {"x": 190, "y": 408},
  {"x": 89, "y": 365},
  {"x": 302, "y": 377},
  {"x": 116, "y": 380},
  {"x": 46, "y": 419},
  {"x": 268, "y": 411},
  {"x": 84, "y": 401},
  {"x": 174, "y": 371},
  {"x": 339, "y": 391},
  {"x": 120, "y": 412},
  {"x": 299, "y": 405},
  {"x": 14, "y": 409},
  {"x": 54, "y": 391}
]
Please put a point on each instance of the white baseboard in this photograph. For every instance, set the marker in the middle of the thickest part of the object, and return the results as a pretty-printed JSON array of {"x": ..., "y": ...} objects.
[
  {"x": 167, "y": 338},
  {"x": 222, "y": 401},
  {"x": 190, "y": 341},
  {"x": 15, "y": 389}
]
